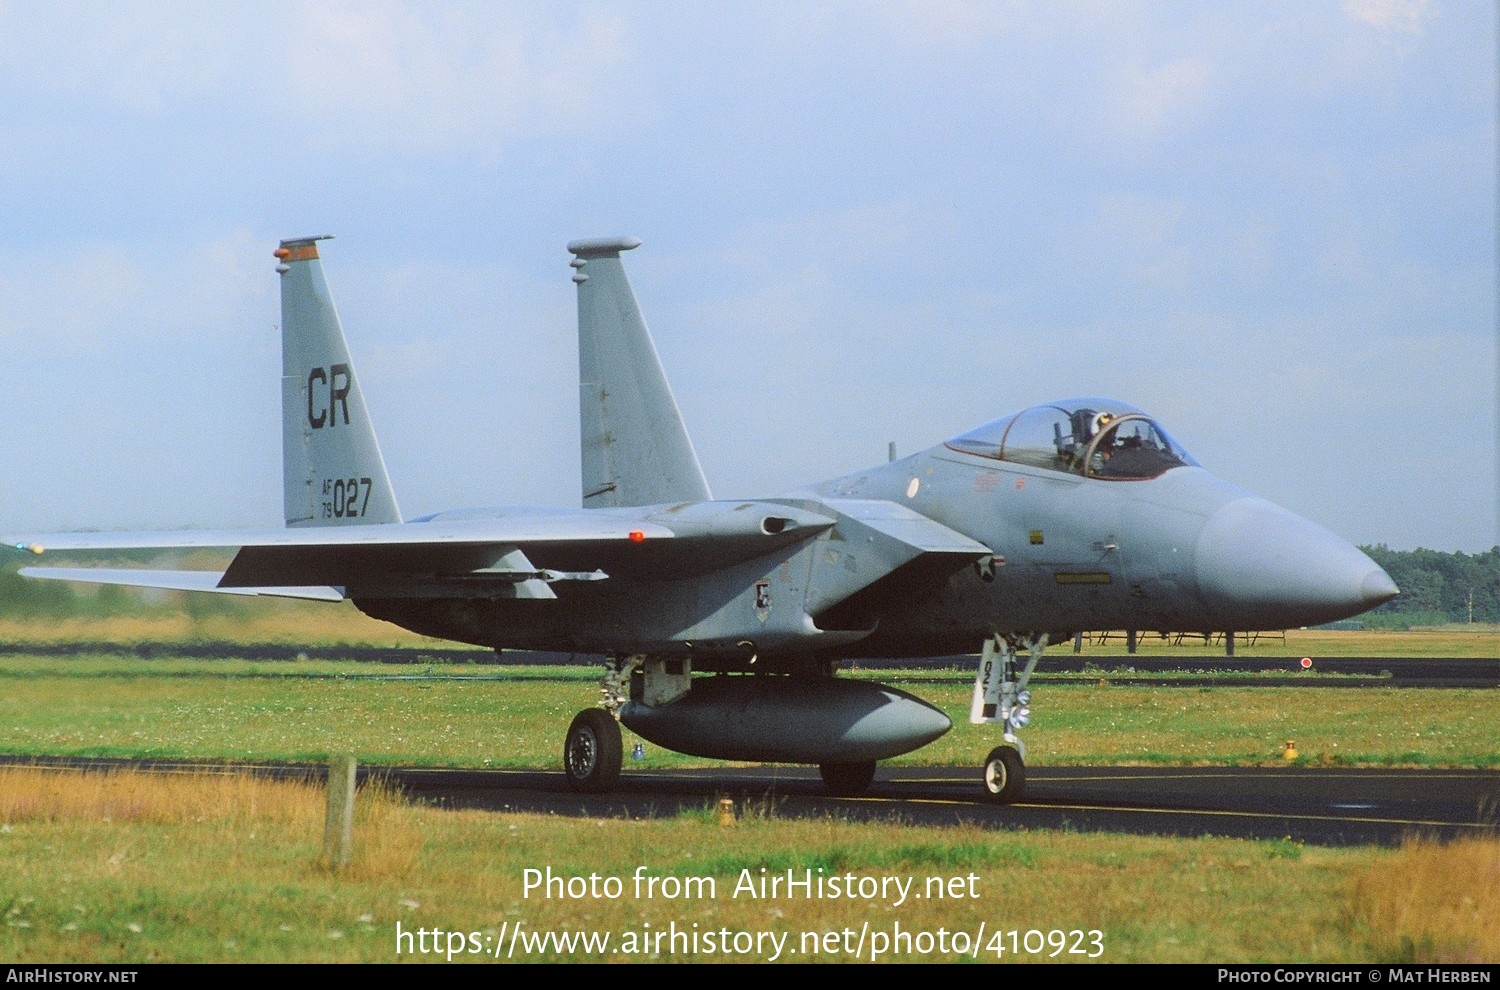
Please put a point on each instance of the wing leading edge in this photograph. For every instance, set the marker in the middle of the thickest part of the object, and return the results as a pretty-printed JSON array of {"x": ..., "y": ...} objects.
[
  {"x": 502, "y": 553},
  {"x": 521, "y": 553},
  {"x": 176, "y": 581}
]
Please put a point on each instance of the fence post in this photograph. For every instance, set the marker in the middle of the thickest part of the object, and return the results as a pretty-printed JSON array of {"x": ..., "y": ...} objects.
[{"x": 338, "y": 829}]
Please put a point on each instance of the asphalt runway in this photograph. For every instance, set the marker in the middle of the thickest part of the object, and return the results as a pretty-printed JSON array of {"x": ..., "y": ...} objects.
[
  {"x": 1314, "y": 806},
  {"x": 1329, "y": 807},
  {"x": 1333, "y": 807}
]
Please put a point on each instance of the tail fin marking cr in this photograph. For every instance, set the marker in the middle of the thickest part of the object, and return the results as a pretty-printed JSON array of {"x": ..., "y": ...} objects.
[{"x": 332, "y": 468}]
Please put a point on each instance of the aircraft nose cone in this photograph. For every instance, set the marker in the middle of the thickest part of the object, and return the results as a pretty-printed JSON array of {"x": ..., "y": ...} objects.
[
  {"x": 1262, "y": 567},
  {"x": 1378, "y": 588}
]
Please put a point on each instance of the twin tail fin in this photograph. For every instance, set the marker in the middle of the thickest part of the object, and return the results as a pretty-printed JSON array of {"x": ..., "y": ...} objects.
[
  {"x": 636, "y": 450},
  {"x": 331, "y": 464}
]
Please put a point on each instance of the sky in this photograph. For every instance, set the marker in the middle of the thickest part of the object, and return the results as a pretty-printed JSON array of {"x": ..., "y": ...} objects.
[{"x": 1271, "y": 225}]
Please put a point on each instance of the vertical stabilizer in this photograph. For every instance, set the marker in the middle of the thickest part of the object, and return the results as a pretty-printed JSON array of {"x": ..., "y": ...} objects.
[
  {"x": 635, "y": 449},
  {"x": 331, "y": 463}
]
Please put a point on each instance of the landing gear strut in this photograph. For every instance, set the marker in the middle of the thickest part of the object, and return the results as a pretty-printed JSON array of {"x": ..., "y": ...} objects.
[
  {"x": 1000, "y": 695},
  {"x": 593, "y": 751},
  {"x": 847, "y": 779}
]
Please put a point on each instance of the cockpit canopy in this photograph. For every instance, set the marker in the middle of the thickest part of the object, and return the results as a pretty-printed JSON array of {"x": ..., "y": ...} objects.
[{"x": 1097, "y": 438}]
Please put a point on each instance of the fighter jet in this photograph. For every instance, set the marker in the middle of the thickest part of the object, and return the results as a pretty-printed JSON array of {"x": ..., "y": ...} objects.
[{"x": 725, "y": 622}]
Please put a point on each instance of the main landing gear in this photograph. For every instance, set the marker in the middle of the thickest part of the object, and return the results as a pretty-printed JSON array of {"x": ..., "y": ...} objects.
[
  {"x": 593, "y": 751},
  {"x": 1000, "y": 695},
  {"x": 847, "y": 779}
]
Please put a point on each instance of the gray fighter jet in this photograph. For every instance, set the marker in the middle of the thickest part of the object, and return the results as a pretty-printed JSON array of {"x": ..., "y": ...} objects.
[{"x": 724, "y": 622}]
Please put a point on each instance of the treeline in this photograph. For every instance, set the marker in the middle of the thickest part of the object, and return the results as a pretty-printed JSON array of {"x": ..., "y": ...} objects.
[{"x": 1438, "y": 587}]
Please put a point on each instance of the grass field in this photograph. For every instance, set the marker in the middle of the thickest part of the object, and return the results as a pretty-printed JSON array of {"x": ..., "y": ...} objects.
[
  {"x": 134, "y": 868},
  {"x": 504, "y": 717}
]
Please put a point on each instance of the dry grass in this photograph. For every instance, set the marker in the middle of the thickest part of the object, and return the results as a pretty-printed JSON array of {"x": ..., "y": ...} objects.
[
  {"x": 123, "y": 866},
  {"x": 1432, "y": 902},
  {"x": 388, "y": 835},
  {"x": 44, "y": 794},
  {"x": 227, "y": 804},
  {"x": 281, "y": 622}
]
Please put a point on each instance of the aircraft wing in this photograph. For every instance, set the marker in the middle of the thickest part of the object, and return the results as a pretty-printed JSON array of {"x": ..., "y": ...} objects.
[
  {"x": 507, "y": 526},
  {"x": 482, "y": 553},
  {"x": 521, "y": 553},
  {"x": 135, "y": 577}
]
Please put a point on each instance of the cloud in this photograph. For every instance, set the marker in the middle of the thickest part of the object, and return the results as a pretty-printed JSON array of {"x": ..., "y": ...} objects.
[
  {"x": 944, "y": 24},
  {"x": 1154, "y": 101},
  {"x": 112, "y": 296},
  {"x": 419, "y": 78},
  {"x": 144, "y": 61},
  {"x": 863, "y": 222},
  {"x": 374, "y": 77},
  {"x": 1406, "y": 16}
]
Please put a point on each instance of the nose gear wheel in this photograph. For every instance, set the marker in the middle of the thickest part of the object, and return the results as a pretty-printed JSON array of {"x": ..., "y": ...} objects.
[{"x": 1004, "y": 774}]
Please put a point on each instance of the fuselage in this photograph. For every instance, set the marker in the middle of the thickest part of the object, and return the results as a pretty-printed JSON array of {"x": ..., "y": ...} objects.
[
  {"x": 1183, "y": 551},
  {"x": 1063, "y": 543}
]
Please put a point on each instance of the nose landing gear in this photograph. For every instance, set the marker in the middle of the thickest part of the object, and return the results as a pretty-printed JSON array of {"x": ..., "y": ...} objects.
[
  {"x": 1000, "y": 695},
  {"x": 1004, "y": 774}
]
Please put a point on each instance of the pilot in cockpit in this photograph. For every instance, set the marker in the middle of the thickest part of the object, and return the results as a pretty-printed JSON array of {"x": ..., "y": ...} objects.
[
  {"x": 1128, "y": 451},
  {"x": 1089, "y": 437},
  {"x": 1086, "y": 424}
]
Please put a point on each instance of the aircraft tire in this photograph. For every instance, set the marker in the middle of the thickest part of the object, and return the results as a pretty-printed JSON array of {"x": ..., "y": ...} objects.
[
  {"x": 1004, "y": 775},
  {"x": 593, "y": 752},
  {"x": 847, "y": 779}
]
